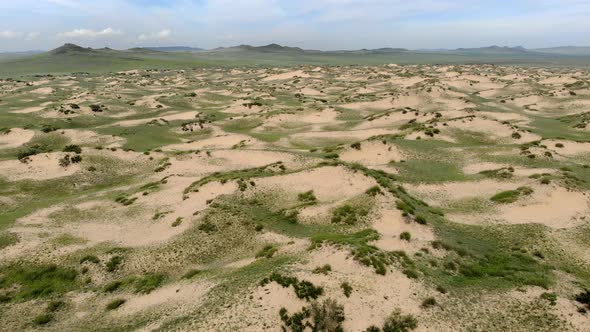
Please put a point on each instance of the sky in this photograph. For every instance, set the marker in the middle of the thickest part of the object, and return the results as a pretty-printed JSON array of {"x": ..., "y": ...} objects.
[{"x": 310, "y": 24}]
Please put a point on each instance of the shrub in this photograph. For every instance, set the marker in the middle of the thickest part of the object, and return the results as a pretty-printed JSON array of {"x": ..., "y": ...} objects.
[
  {"x": 149, "y": 282},
  {"x": 177, "y": 222},
  {"x": 551, "y": 297},
  {"x": 356, "y": 145},
  {"x": 113, "y": 263},
  {"x": 396, "y": 322},
  {"x": 348, "y": 214},
  {"x": 441, "y": 289},
  {"x": 43, "y": 319},
  {"x": 112, "y": 286},
  {"x": 322, "y": 269},
  {"x": 307, "y": 197},
  {"x": 267, "y": 251},
  {"x": 374, "y": 191},
  {"x": 584, "y": 298},
  {"x": 410, "y": 273},
  {"x": 38, "y": 281},
  {"x": 559, "y": 145},
  {"x": 429, "y": 302},
  {"x": 346, "y": 288},
  {"x": 327, "y": 316},
  {"x": 73, "y": 148},
  {"x": 90, "y": 258},
  {"x": 303, "y": 289},
  {"x": 405, "y": 236},
  {"x": 55, "y": 305},
  {"x": 421, "y": 220},
  {"x": 114, "y": 304},
  {"x": 191, "y": 273}
]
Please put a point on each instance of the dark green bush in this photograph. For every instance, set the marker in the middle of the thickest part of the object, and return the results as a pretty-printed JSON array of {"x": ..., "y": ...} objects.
[{"x": 114, "y": 304}]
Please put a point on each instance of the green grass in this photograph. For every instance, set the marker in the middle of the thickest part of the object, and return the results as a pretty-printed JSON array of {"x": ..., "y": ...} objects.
[{"x": 37, "y": 281}]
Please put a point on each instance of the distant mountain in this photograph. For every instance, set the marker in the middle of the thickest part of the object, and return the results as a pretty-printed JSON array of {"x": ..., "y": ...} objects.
[
  {"x": 15, "y": 55},
  {"x": 71, "y": 49},
  {"x": 173, "y": 48},
  {"x": 494, "y": 50},
  {"x": 566, "y": 50},
  {"x": 270, "y": 48}
]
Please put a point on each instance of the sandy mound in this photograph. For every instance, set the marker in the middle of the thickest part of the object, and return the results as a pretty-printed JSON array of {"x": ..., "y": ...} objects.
[
  {"x": 180, "y": 296},
  {"x": 327, "y": 183},
  {"x": 39, "y": 167},
  {"x": 372, "y": 153},
  {"x": 286, "y": 76},
  {"x": 551, "y": 206},
  {"x": 29, "y": 110},
  {"x": 567, "y": 148},
  {"x": 15, "y": 138}
]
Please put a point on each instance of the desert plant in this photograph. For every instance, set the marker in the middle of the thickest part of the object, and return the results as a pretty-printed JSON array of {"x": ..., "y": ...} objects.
[
  {"x": 267, "y": 251},
  {"x": 346, "y": 288},
  {"x": 406, "y": 236},
  {"x": 115, "y": 304},
  {"x": 396, "y": 322},
  {"x": 322, "y": 269}
]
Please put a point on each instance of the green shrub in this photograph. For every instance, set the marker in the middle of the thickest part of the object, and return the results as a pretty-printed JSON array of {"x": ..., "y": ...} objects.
[
  {"x": 348, "y": 214},
  {"x": 177, "y": 222},
  {"x": 406, "y": 236},
  {"x": 114, "y": 304},
  {"x": 113, "y": 286},
  {"x": 307, "y": 197},
  {"x": 429, "y": 302},
  {"x": 149, "y": 282},
  {"x": 267, "y": 251},
  {"x": 327, "y": 316},
  {"x": 37, "y": 281},
  {"x": 551, "y": 297},
  {"x": 43, "y": 319},
  {"x": 191, "y": 273},
  {"x": 410, "y": 273},
  {"x": 113, "y": 263},
  {"x": 303, "y": 289},
  {"x": 584, "y": 298},
  {"x": 346, "y": 288},
  {"x": 90, "y": 258},
  {"x": 374, "y": 191},
  {"x": 72, "y": 148},
  {"x": 55, "y": 305},
  {"x": 322, "y": 269},
  {"x": 396, "y": 322}
]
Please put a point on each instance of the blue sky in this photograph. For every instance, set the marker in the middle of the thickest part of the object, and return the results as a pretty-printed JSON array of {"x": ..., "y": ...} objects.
[{"x": 316, "y": 24}]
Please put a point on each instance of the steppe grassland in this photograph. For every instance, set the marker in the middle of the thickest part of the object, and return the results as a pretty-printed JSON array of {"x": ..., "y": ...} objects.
[{"x": 230, "y": 199}]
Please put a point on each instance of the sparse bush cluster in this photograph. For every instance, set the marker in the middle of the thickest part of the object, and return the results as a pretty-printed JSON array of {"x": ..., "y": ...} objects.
[
  {"x": 326, "y": 316},
  {"x": 303, "y": 289},
  {"x": 348, "y": 214}
]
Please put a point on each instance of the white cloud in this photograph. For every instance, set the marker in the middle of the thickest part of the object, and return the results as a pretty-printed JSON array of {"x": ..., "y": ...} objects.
[
  {"x": 88, "y": 33},
  {"x": 32, "y": 35},
  {"x": 158, "y": 35},
  {"x": 9, "y": 34}
]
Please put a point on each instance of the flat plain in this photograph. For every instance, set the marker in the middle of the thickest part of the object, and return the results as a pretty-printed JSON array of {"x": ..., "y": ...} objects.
[{"x": 326, "y": 198}]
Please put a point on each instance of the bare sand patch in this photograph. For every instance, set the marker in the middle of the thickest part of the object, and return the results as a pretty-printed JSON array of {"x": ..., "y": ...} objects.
[
  {"x": 327, "y": 183},
  {"x": 390, "y": 224},
  {"x": 29, "y": 110},
  {"x": 372, "y": 153},
  {"x": 552, "y": 206},
  {"x": 286, "y": 76},
  {"x": 181, "y": 296},
  {"x": 42, "y": 166},
  {"x": 567, "y": 148},
  {"x": 43, "y": 91},
  {"x": 15, "y": 138},
  {"x": 190, "y": 115}
]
